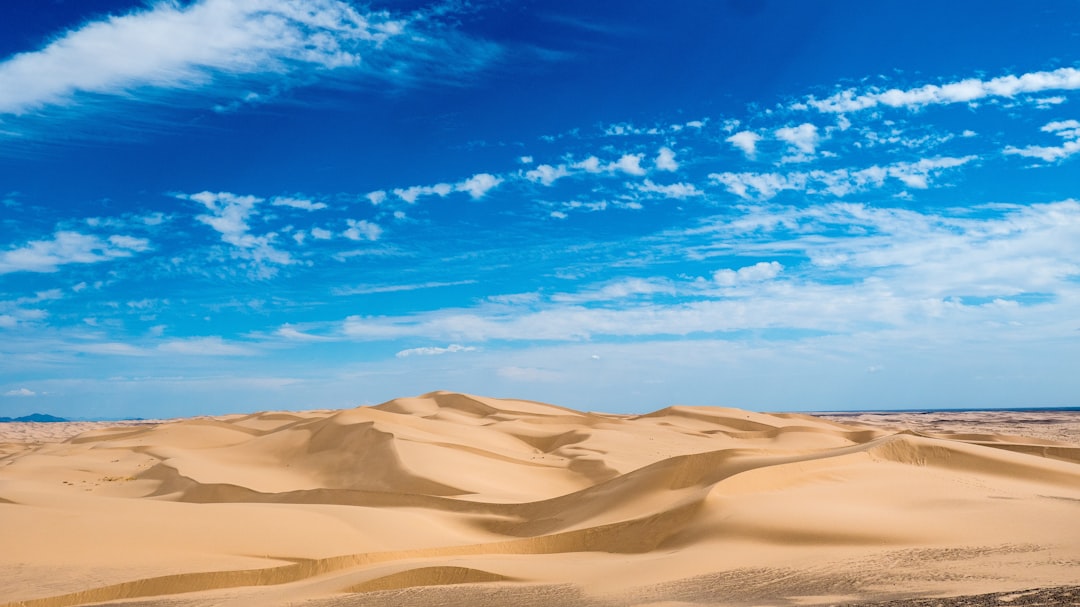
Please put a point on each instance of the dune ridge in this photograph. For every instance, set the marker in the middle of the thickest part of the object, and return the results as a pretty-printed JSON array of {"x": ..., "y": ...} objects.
[{"x": 449, "y": 489}]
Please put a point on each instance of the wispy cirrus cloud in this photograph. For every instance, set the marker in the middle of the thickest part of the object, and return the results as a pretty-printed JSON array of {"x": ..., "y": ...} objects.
[
  {"x": 857, "y": 269},
  {"x": 14, "y": 312},
  {"x": 963, "y": 91},
  {"x": 1068, "y": 130},
  {"x": 297, "y": 203},
  {"x": 175, "y": 46},
  {"x": 838, "y": 182},
  {"x": 395, "y": 288},
  {"x": 204, "y": 346},
  {"x": 435, "y": 350},
  {"x": 239, "y": 51},
  {"x": 671, "y": 190}
]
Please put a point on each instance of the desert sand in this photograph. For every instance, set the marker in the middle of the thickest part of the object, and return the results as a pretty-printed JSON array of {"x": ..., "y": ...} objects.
[{"x": 452, "y": 499}]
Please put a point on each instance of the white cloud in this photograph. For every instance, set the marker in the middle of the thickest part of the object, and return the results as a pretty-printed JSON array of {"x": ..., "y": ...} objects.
[
  {"x": 624, "y": 129},
  {"x": 18, "y": 316},
  {"x": 767, "y": 185},
  {"x": 618, "y": 130},
  {"x": 1071, "y": 126},
  {"x": 412, "y": 193},
  {"x": 964, "y": 91},
  {"x": 173, "y": 46},
  {"x": 14, "y": 312},
  {"x": 745, "y": 141},
  {"x": 619, "y": 289},
  {"x": 321, "y": 234},
  {"x": 362, "y": 230},
  {"x": 297, "y": 203},
  {"x": 674, "y": 190},
  {"x": 478, "y": 184},
  {"x": 204, "y": 346},
  {"x": 665, "y": 160},
  {"x": 368, "y": 289},
  {"x": 802, "y": 141},
  {"x": 589, "y": 165},
  {"x": 229, "y": 215},
  {"x": 1069, "y": 130},
  {"x": 629, "y": 164},
  {"x": 154, "y": 219},
  {"x": 1047, "y": 102},
  {"x": 143, "y": 304},
  {"x": 562, "y": 322},
  {"x": 291, "y": 333},
  {"x": 578, "y": 205},
  {"x": 514, "y": 298},
  {"x": 558, "y": 215},
  {"x": 20, "y": 392},
  {"x": 109, "y": 349},
  {"x": 840, "y": 182},
  {"x": 870, "y": 270},
  {"x": 68, "y": 247},
  {"x": 917, "y": 174},
  {"x": 377, "y": 197},
  {"x": 758, "y": 272},
  {"x": 547, "y": 174},
  {"x": 129, "y": 243},
  {"x": 435, "y": 351}
]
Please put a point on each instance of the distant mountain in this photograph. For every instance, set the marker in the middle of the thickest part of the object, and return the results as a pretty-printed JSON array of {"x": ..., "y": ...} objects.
[{"x": 33, "y": 417}]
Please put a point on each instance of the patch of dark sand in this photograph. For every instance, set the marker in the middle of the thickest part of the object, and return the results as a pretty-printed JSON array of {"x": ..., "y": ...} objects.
[{"x": 1062, "y": 596}]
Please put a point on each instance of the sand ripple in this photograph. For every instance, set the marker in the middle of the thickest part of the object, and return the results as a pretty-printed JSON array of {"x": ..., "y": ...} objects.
[{"x": 451, "y": 495}]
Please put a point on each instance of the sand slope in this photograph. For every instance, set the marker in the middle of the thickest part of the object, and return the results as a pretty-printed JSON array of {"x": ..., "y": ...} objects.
[{"x": 450, "y": 495}]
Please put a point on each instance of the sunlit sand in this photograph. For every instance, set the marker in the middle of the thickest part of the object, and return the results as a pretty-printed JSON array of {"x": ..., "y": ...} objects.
[{"x": 452, "y": 499}]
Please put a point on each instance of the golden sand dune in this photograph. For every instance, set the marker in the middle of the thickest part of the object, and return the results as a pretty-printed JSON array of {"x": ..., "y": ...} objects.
[{"x": 456, "y": 499}]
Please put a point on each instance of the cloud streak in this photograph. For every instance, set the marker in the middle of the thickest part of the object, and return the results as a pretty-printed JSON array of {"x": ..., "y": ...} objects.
[
  {"x": 863, "y": 270},
  {"x": 963, "y": 91},
  {"x": 839, "y": 182},
  {"x": 69, "y": 247},
  {"x": 435, "y": 351},
  {"x": 1069, "y": 130},
  {"x": 175, "y": 46}
]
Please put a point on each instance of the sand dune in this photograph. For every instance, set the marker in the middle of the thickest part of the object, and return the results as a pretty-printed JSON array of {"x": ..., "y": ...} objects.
[{"x": 457, "y": 499}]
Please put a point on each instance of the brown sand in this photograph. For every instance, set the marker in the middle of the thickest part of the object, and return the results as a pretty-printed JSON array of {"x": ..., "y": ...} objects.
[{"x": 451, "y": 499}]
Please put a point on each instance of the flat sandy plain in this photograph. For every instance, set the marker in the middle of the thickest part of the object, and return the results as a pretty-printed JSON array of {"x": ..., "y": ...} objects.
[{"x": 451, "y": 499}]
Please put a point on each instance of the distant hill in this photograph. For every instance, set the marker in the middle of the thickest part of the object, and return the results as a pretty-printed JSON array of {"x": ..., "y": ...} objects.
[{"x": 33, "y": 417}]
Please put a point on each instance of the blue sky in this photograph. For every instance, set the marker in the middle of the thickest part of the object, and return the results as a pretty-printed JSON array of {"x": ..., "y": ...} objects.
[{"x": 234, "y": 205}]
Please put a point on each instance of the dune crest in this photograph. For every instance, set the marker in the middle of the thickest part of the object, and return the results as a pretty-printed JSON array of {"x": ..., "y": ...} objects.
[{"x": 454, "y": 490}]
